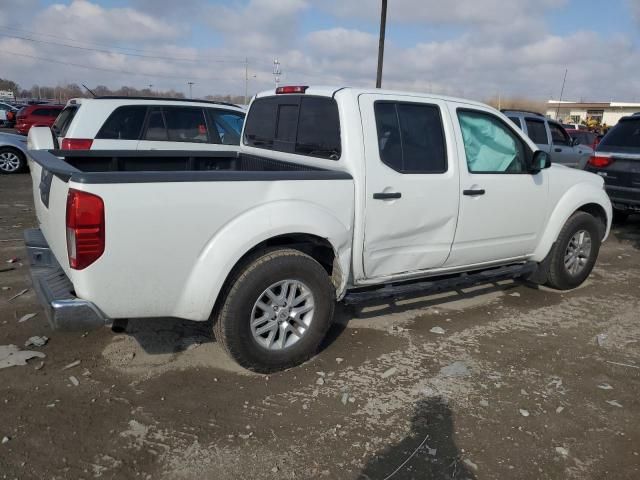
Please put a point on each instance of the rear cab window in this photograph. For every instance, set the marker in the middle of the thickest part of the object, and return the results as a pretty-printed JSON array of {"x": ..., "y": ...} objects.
[{"x": 299, "y": 124}]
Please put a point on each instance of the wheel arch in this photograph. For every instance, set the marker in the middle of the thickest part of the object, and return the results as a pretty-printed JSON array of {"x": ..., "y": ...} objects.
[
  {"x": 581, "y": 197},
  {"x": 310, "y": 229}
]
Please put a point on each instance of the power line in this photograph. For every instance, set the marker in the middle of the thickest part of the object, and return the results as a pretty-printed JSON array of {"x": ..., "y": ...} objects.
[
  {"x": 110, "y": 46},
  {"x": 140, "y": 55},
  {"x": 125, "y": 72}
]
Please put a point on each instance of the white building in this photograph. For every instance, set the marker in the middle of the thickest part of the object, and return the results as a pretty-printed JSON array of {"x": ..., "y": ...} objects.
[
  {"x": 608, "y": 113},
  {"x": 7, "y": 95}
]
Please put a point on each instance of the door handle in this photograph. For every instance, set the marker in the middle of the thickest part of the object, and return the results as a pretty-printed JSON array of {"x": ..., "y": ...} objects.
[
  {"x": 558, "y": 150},
  {"x": 474, "y": 192},
  {"x": 386, "y": 195}
]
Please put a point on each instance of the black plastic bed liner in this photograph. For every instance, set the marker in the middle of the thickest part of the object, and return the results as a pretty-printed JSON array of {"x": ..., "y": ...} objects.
[{"x": 151, "y": 166}]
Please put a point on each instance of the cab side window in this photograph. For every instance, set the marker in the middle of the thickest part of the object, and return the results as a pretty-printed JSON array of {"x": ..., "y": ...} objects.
[
  {"x": 411, "y": 137},
  {"x": 537, "y": 131},
  {"x": 124, "y": 123},
  {"x": 185, "y": 124},
  {"x": 490, "y": 145},
  {"x": 558, "y": 135}
]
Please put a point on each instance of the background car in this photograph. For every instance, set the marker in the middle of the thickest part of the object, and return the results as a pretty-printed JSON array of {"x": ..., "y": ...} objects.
[
  {"x": 617, "y": 160},
  {"x": 36, "y": 115},
  {"x": 7, "y": 114},
  {"x": 551, "y": 137},
  {"x": 148, "y": 123},
  {"x": 13, "y": 153},
  {"x": 585, "y": 137}
]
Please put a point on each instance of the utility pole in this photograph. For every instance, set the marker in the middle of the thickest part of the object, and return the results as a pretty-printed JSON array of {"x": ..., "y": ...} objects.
[
  {"x": 277, "y": 72},
  {"x": 383, "y": 27},
  {"x": 191, "y": 84},
  {"x": 561, "y": 93},
  {"x": 246, "y": 80}
]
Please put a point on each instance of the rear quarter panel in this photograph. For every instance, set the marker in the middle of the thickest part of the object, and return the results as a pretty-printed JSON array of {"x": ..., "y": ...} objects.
[{"x": 170, "y": 246}]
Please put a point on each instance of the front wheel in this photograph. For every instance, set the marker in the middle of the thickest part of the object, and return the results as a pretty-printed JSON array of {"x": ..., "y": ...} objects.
[
  {"x": 275, "y": 311},
  {"x": 12, "y": 161},
  {"x": 575, "y": 252}
]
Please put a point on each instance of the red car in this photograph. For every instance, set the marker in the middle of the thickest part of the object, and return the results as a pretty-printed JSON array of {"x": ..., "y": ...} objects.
[
  {"x": 36, "y": 115},
  {"x": 585, "y": 137}
]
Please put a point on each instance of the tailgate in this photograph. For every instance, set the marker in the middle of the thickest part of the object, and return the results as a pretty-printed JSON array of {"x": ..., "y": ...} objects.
[{"x": 50, "y": 187}]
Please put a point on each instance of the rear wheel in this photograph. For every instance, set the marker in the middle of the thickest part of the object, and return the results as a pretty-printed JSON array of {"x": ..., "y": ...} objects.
[
  {"x": 275, "y": 311},
  {"x": 575, "y": 252},
  {"x": 12, "y": 160}
]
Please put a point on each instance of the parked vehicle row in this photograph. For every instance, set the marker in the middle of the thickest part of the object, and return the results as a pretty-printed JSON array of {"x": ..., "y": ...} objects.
[
  {"x": 335, "y": 194},
  {"x": 36, "y": 116},
  {"x": 551, "y": 137}
]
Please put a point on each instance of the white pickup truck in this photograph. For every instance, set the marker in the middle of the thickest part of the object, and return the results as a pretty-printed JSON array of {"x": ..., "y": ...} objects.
[{"x": 337, "y": 194}]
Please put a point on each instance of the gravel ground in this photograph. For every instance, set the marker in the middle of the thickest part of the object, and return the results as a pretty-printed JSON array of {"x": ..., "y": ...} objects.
[{"x": 514, "y": 383}]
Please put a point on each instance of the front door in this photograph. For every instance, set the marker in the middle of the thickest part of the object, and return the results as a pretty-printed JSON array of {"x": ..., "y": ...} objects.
[
  {"x": 411, "y": 203},
  {"x": 502, "y": 205}
]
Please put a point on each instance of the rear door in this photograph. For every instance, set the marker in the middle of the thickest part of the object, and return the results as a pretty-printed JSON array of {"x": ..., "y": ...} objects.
[{"x": 412, "y": 184}]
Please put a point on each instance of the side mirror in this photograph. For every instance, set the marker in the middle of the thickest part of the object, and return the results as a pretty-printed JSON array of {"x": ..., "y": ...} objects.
[
  {"x": 574, "y": 142},
  {"x": 541, "y": 160}
]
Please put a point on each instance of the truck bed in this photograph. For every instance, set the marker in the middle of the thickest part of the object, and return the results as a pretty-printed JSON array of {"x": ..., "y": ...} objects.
[
  {"x": 174, "y": 221},
  {"x": 126, "y": 166}
]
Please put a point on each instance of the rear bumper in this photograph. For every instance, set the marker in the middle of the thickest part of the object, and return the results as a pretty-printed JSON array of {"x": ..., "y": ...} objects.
[
  {"x": 55, "y": 291},
  {"x": 624, "y": 198}
]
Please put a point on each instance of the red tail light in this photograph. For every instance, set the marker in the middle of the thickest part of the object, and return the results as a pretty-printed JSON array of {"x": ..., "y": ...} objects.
[
  {"x": 598, "y": 161},
  {"x": 85, "y": 228},
  {"x": 11, "y": 116},
  {"x": 291, "y": 89},
  {"x": 77, "y": 143}
]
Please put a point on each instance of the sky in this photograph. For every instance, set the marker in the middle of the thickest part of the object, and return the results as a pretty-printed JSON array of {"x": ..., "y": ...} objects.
[{"x": 470, "y": 48}]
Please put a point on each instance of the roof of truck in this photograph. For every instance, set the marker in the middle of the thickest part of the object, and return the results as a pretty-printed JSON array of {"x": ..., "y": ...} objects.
[{"x": 330, "y": 91}]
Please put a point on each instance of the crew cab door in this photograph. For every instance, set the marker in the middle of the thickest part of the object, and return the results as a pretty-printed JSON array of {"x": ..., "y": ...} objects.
[
  {"x": 411, "y": 186},
  {"x": 502, "y": 204}
]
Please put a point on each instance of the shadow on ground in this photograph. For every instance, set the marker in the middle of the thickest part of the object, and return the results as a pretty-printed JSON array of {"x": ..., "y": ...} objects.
[
  {"x": 629, "y": 231},
  {"x": 427, "y": 452},
  {"x": 169, "y": 335},
  {"x": 173, "y": 335}
]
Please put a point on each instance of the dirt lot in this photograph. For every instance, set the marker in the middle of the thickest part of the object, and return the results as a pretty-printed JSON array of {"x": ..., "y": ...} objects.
[{"x": 519, "y": 383}]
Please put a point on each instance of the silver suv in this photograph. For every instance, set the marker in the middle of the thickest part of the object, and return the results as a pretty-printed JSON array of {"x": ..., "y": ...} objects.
[{"x": 551, "y": 137}]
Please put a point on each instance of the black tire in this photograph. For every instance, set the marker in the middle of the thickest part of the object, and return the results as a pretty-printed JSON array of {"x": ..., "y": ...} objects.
[
  {"x": 15, "y": 153},
  {"x": 620, "y": 216},
  {"x": 232, "y": 315},
  {"x": 558, "y": 276}
]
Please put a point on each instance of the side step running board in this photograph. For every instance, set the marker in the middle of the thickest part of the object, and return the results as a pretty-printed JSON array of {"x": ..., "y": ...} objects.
[{"x": 439, "y": 284}]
